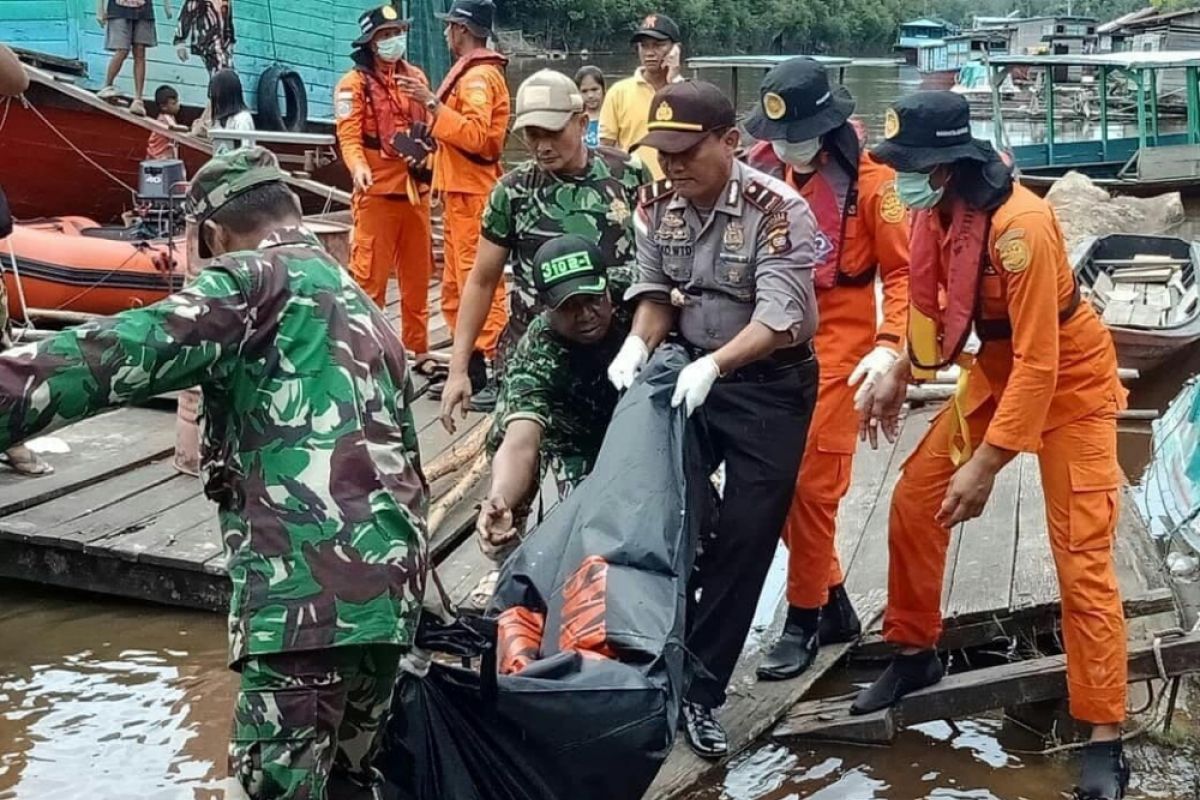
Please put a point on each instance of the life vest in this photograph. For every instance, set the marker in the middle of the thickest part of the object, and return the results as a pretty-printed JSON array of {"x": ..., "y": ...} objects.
[
  {"x": 832, "y": 195},
  {"x": 456, "y": 73},
  {"x": 389, "y": 113}
]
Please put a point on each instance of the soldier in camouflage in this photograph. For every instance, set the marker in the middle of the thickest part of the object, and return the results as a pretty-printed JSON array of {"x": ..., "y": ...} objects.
[
  {"x": 556, "y": 401},
  {"x": 567, "y": 188},
  {"x": 309, "y": 452}
]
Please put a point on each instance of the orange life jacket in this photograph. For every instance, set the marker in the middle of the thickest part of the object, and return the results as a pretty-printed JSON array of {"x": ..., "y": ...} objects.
[
  {"x": 387, "y": 112},
  {"x": 456, "y": 73}
]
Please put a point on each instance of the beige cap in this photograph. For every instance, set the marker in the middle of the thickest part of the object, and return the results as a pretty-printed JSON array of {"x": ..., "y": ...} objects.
[{"x": 547, "y": 99}]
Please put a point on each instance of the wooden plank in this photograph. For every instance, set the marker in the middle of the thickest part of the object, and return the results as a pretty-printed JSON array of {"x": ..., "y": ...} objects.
[
  {"x": 976, "y": 691},
  {"x": 984, "y": 568},
  {"x": 1035, "y": 581},
  {"x": 95, "y": 530},
  {"x": 186, "y": 535},
  {"x": 103, "y": 446}
]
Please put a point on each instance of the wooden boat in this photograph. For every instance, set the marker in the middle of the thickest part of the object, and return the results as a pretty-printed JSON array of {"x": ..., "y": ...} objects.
[
  {"x": 1145, "y": 289},
  {"x": 1152, "y": 161},
  {"x": 81, "y": 155},
  {"x": 71, "y": 264},
  {"x": 1168, "y": 495}
]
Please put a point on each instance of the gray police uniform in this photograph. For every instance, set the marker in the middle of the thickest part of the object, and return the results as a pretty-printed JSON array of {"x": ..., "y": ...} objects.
[{"x": 750, "y": 259}]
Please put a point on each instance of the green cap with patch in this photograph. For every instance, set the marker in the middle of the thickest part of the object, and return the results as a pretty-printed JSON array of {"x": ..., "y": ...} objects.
[
  {"x": 567, "y": 266},
  {"x": 225, "y": 177}
]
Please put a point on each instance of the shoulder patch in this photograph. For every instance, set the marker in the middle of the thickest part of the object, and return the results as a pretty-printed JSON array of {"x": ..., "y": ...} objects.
[
  {"x": 1013, "y": 250},
  {"x": 891, "y": 210},
  {"x": 763, "y": 197},
  {"x": 652, "y": 193},
  {"x": 343, "y": 105}
]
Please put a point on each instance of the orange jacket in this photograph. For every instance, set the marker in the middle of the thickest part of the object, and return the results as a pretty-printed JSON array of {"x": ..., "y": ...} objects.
[
  {"x": 876, "y": 236},
  {"x": 471, "y": 126},
  {"x": 1048, "y": 373},
  {"x": 358, "y": 133}
]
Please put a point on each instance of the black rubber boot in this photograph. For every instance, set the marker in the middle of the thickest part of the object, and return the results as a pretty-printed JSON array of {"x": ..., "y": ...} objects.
[
  {"x": 705, "y": 735},
  {"x": 1104, "y": 774},
  {"x": 796, "y": 648},
  {"x": 839, "y": 620},
  {"x": 484, "y": 399},
  {"x": 904, "y": 675}
]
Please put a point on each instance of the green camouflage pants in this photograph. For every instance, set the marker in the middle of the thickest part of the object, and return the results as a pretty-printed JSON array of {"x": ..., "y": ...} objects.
[{"x": 305, "y": 724}]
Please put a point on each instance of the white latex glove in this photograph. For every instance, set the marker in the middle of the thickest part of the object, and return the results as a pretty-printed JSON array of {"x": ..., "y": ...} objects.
[
  {"x": 183, "y": 52},
  {"x": 694, "y": 383},
  {"x": 870, "y": 371},
  {"x": 416, "y": 662},
  {"x": 628, "y": 363}
]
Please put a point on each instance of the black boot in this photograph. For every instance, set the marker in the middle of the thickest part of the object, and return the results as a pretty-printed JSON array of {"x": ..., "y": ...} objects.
[
  {"x": 484, "y": 391},
  {"x": 704, "y": 733},
  {"x": 796, "y": 648},
  {"x": 904, "y": 675},
  {"x": 839, "y": 620},
  {"x": 1104, "y": 774}
]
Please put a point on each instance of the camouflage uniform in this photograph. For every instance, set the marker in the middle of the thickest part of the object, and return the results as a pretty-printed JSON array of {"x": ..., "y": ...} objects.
[
  {"x": 310, "y": 453},
  {"x": 563, "y": 387},
  {"x": 530, "y": 206}
]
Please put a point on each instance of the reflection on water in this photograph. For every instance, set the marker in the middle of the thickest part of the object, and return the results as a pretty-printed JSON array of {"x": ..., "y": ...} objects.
[{"x": 104, "y": 699}]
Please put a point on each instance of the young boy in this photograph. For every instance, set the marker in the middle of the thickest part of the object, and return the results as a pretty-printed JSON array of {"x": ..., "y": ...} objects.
[
  {"x": 130, "y": 26},
  {"x": 167, "y": 101}
]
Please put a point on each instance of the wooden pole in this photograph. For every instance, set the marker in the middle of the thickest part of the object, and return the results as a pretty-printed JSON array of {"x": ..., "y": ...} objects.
[
  {"x": 439, "y": 510},
  {"x": 461, "y": 453}
]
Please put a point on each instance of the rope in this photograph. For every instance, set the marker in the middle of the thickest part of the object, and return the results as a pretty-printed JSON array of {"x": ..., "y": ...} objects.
[
  {"x": 12, "y": 252},
  {"x": 72, "y": 145},
  {"x": 7, "y": 106}
]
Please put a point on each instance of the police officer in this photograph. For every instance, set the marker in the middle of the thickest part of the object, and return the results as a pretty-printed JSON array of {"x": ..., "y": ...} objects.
[{"x": 725, "y": 258}]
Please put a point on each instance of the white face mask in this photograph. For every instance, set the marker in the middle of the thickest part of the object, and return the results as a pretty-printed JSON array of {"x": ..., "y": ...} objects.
[
  {"x": 798, "y": 155},
  {"x": 393, "y": 49}
]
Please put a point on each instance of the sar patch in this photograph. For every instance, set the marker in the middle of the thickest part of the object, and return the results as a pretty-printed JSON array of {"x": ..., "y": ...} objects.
[
  {"x": 476, "y": 94},
  {"x": 1013, "y": 250},
  {"x": 891, "y": 210},
  {"x": 343, "y": 105}
]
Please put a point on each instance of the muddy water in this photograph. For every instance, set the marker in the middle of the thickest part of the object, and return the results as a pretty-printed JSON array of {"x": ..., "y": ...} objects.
[{"x": 103, "y": 699}]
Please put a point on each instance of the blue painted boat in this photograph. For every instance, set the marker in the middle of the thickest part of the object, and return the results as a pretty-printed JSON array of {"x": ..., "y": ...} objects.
[
  {"x": 1151, "y": 162},
  {"x": 1168, "y": 496}
]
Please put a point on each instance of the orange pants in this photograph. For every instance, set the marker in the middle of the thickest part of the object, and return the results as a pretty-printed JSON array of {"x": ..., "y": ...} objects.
[
  {"x": 393, "y": 236},
  {"x": 463, "y": 214},
  {"x": 824, "y": 478},
  {"x": 1080, "y": 480}
]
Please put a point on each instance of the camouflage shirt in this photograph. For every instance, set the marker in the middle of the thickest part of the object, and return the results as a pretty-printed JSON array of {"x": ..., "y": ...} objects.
[
  {"x": 309, "y": 446},
  {"x": 530, "y": 206},
  {"x": 564, "y": 388}
]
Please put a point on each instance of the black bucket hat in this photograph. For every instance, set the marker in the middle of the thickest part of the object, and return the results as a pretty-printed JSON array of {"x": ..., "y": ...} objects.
[
  {"x": 567, "y": 266},
  {"x": 476, "y": 15},
  {"x": 796, "y": 102},
  {"x": 925, "y": 129},
  {"x": 377, "y": 19}
]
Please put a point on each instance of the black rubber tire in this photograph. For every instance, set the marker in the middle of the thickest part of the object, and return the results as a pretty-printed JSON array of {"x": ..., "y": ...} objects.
[{"x": 294, "y": 118}]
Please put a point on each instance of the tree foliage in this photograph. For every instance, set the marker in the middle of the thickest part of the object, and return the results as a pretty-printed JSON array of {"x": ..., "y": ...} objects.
[{"x": 852, "y": 27}]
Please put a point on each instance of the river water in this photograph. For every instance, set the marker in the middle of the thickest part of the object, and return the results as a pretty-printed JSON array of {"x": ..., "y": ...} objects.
[{"x": 106, "y": 699}]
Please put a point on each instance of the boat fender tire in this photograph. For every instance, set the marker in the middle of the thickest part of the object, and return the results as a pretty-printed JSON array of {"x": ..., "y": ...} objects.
[{"x": 295, "y": 112}]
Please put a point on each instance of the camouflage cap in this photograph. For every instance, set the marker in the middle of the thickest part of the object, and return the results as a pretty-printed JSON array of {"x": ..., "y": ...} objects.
[{"x": 229, "y": 175}]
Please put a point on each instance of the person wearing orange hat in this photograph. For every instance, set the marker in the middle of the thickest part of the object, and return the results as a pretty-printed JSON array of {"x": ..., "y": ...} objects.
[
  {"x": 470, "y": 113},
  {"x": 392, "y": 232},
  {"x": 807, "y": 138},
  {"x": 988, "y": 254}
]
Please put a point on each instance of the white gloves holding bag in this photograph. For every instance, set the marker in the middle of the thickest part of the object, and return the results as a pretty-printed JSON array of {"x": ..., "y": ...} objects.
[
  {"x": 694, "y": 383},
  {"x": 629, "y": 362}
]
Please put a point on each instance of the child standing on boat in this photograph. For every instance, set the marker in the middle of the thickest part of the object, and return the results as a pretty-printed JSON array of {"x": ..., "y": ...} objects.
[
  {"x": 229, "y": 112},
  {"x": 129, "y": 25},
  {"x": 166, "y": 100}
]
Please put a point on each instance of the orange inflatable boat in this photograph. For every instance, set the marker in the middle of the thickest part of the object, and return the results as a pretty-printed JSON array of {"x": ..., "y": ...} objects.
[{"x": 73, "y": 264}]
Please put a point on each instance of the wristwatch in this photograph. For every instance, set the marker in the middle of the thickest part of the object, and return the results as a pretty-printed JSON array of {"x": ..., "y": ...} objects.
[{"x": 432, "y": 103}]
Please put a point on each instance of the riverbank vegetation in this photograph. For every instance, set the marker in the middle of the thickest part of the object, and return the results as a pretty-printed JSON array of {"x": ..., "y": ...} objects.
[{"x": 846, "y": 27}]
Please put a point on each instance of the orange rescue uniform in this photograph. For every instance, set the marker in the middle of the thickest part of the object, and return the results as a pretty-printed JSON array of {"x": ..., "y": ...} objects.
[
  {"x": 392, "y": 231},
  {"x": 470, "y": 128},
  {"x": 1049, "y": 387},
  {"x": 876, "y": 237}
]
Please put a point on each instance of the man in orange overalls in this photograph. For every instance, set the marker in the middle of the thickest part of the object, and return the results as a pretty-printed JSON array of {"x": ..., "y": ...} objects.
[
  {"x": 989, "y": 254},
  {"x": 392, "y": 232},
  {"x": 470, "y": 120},
  {"x": 809, "y": 141}
]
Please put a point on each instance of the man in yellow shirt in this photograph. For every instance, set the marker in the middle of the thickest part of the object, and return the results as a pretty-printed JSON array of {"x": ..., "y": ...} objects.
[{"x": 624, "y": 115}]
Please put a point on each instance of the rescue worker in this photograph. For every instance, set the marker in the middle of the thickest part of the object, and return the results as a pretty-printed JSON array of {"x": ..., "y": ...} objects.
[
  {"x": 565, "y": 187},
  {"x": 556, "y": 401},
  {"x": 623, "y": 115},
  {"x": 725, "y": 260},
  {"x": 323, "y": 524},
  {"x": 808, "y": 139},
  {"x": 392, "y": 233},
  {"x": 470, "y": 119},
  {"x": 1044, "y": 381}
]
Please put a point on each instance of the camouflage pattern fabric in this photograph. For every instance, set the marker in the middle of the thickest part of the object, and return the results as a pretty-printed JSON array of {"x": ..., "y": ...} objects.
[
  {"x": 309, "y": 448},
  {"x": 563, "y": 387},
  {"x": 305, "y": 724},
  {"x": 530, "y": 206}
]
